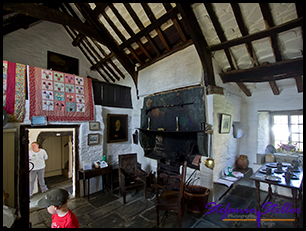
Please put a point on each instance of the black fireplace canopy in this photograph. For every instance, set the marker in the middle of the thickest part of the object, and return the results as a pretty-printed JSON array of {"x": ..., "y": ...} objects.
[{"x": 172, "y": 123}]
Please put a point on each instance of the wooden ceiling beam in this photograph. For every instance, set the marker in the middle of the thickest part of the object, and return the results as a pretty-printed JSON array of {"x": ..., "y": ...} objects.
[
  {"x": 270, "y": 72},
  {"x": 259, "y": 35},
  {"x": 199, "y": 41},
  {"x": 266, "y": 13},
  {"x": 221, "y": 35},
  {"x": 244, "y": 31},
  {"x": 98, "y": 9},
  {"x": 111, "y": 44},
  {"x": 73, "y": 34},
  {"x": 141, "y": 27},
  {"x": 299, "y": 83},
  {"x": 130, "y": 32},
  {"x": 55, "y": 16},
  {"x": 152, "y": 19},
  {"x": 175, "y": 21},
  {"x": 170, "y": 14}
]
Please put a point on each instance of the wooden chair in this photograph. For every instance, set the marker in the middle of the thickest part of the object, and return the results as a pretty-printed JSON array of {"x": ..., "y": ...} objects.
[
  {"x": 131, "y": 176},
  {"x": 171, "y": 197}
]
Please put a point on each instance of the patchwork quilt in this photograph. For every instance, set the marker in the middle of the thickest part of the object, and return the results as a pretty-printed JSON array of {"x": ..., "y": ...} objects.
[
  {"x": 60, "y": 96},
  {"x": 14, "y": 90}
]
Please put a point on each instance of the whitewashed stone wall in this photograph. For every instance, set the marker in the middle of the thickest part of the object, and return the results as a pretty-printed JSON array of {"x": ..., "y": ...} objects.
[{"x": 177, "y": 70}]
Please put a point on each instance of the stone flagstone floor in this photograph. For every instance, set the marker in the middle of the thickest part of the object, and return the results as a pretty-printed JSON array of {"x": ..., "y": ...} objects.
[{"x": 106, "y": 210}]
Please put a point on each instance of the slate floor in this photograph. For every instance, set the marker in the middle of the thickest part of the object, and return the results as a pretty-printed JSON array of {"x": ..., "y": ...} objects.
[{"x": 106, "y": 210}]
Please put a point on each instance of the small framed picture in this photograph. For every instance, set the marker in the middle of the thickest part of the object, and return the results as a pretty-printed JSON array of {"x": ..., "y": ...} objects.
[
  {"x": 38, "y": 120},
  {"x": 225, "y": 123},
  {"x": 93, "y": 139},
  {"x": 94, "y": 126}
]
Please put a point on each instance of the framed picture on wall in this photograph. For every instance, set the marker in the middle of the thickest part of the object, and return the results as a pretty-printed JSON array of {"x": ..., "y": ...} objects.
[
  {"x": 93, "y": 139},
  {"x": 225, "y": 123},
  {"x": 63, "y": 63},
  {"x": 94, "y": 126},
  {"x": 38, "y": 120},
  {"x": 117, "y": 128}
]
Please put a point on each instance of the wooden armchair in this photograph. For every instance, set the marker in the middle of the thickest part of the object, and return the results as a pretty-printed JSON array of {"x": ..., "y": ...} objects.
[
  {"x": 131, "y": 176},
  {"x": 171, "y": 197}
]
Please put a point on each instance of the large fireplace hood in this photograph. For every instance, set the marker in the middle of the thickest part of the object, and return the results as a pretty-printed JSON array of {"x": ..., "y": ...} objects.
[{"x": 172, "y": 126}]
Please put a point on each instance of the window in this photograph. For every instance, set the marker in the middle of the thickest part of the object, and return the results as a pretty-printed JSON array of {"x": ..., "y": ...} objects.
[{"x": 287, "y": 126}]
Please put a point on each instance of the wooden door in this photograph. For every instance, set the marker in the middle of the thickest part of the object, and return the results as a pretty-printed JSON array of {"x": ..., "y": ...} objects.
[
  {"x": 9, "y": 184},
  {"x": 53, "y": 147}
]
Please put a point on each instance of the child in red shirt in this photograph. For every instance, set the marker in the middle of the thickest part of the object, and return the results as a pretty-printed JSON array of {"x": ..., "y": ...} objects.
[{"x": 56, "y": 203}]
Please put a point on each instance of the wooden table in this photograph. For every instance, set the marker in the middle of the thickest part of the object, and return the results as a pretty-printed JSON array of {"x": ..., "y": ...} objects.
[
  {"x": 87, "y": 174},
  {"x": 294, "y": 185}
]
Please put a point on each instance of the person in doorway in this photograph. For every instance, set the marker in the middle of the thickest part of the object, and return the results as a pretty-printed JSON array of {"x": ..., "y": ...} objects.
[
  {"x": 37, "y": 156},
  {"x": 56, "y": 203}
]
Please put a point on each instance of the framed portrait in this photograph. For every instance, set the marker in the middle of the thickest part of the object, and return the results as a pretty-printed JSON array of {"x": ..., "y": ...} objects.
[
  {"x": 94, "y": 126},
  {"x": 93, "y": 139},
  {"x": 225, "y": 123},
  {"x": 117, "y": 128}
]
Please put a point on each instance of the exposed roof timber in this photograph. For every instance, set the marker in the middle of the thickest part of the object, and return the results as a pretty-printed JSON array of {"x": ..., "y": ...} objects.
[
  {"x": 141, "y": 27},
  {"x": 86, "y": 11},
  {"x": 90, "y": 52},
  {"x": 266, "y": 13},
  {"x": 16, "y": 22},
  {"x": 125, "y": 39},
  {"x": 228, "y": 52},
  {"x": 259, "y": 35},
  {"x": 244, "y": 31},
  {"x": 52, "y": 15},
  {"x": 152, "y": 18},
  {"x": 197, "y": 36},
  {"x": 157, "y": 23},
  {"x": 299, "y": 83},
  {"x": 275, "y": 71}
]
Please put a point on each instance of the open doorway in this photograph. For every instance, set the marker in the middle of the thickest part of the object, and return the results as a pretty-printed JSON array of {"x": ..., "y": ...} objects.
[
  {"x": 23, "y": 166},
  {"x": 59, "y": 165}
]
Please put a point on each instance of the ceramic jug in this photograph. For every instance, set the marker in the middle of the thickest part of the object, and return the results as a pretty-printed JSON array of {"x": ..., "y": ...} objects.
[{"x": 242, "y": 162}]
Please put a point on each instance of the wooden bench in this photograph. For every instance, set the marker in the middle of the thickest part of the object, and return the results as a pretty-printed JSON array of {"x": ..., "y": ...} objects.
[{"x": 246, "y": 172}]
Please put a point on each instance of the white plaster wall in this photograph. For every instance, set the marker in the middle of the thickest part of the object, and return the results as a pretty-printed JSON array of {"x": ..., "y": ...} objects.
[
  {"x": 263, "y": 137},
  {"x": 181, "y": 69},
  {"x": 30, "y": 46},
  {"x": 289, "y": 99},
  {"x": 175, "y": 71}
]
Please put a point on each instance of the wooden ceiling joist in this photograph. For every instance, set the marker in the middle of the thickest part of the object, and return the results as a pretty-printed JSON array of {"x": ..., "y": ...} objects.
[
  {"x": 270, "y": 72},
  {"x": 52, "y": 15},
  {"x": 152, "y": 18},
  {"x": 199, "y": 41},
  {"x": 221, "y": 35},
  {"x": 111, "y": 44},
  {"x": 141, "y": 27},
  {"x": 110, "y": 48},
  {"x": 266, "y": 13},
  {"x": 258, "y": 35},
  {"x": 157, "y": 23}
]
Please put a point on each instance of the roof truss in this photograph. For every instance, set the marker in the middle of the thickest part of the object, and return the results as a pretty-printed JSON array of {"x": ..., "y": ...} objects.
[{"x": 121, "y": 38}]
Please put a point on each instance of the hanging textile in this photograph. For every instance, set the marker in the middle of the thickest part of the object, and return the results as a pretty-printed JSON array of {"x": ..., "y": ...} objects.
[
  {"x": 60, "y": 96},
  {"x": 14, "y": 90}
]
